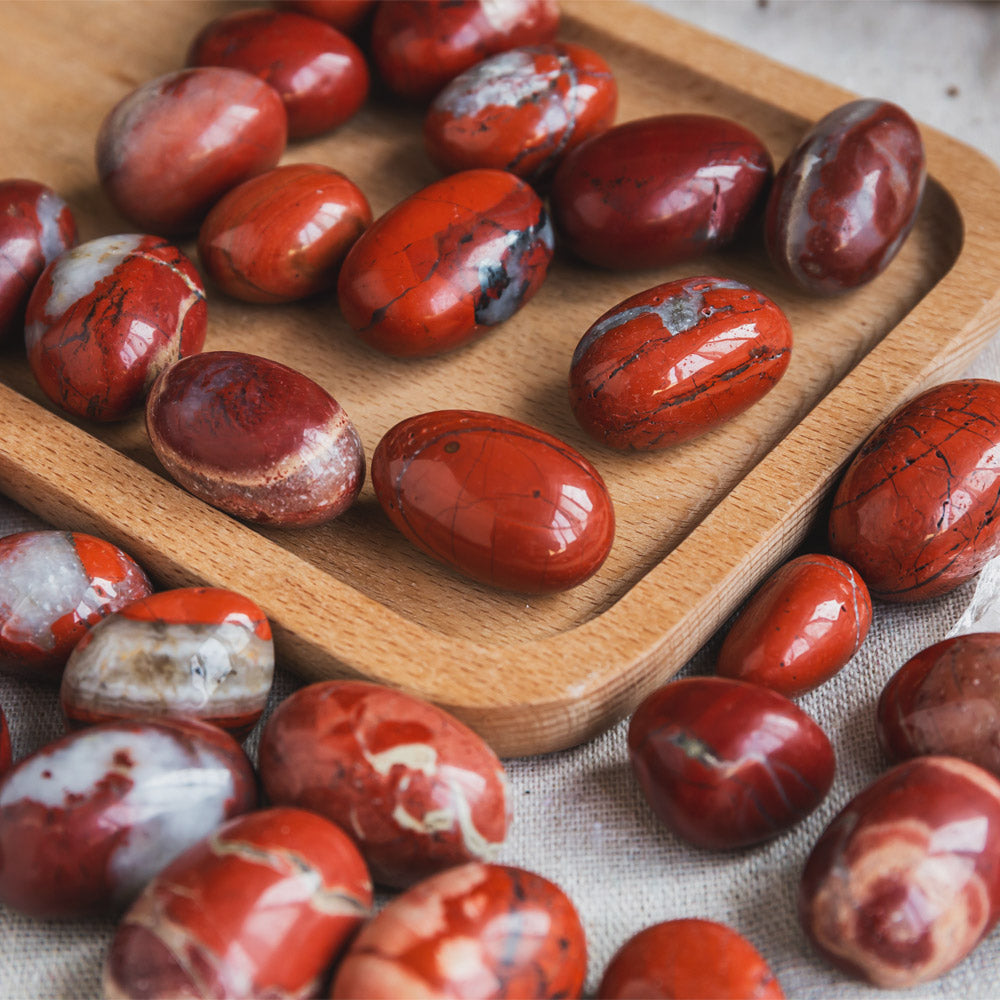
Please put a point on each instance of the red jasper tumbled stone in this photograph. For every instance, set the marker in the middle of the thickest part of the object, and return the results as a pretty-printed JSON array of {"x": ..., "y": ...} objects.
[
  {"x": 905, "y": 881},
  {"x": 6, "y": 754},
  {"x": 260, "y": 908},
  {"x": 107, "y": 317},
  {"x": 484, "y": 931},
  {"x": 170, "y": 149},
  {"x": 446, "y": 264},
  {"x": 255, "y": 438},
  {"x": 343, "y": 14},
  {"x": 676, "y": 360},
  {"x": 497, "y": 500},
  {"x": 916, "y": 512},
  {"x": 655, "y": 191},
  {"x": 726, "y": 764},
  {"x": 283, "y": 234}
]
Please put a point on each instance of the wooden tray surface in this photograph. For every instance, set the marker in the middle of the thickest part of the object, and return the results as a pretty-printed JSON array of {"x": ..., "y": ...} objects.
[{"x": 698, "y": 526}]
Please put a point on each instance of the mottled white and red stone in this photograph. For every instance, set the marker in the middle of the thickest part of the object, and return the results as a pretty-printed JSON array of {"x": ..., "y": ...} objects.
[
  {"x": 201, "y": 652},
  {"x": 260, "y": 908},
  {"x": 905, "y": 881},
  {"x": 476, "y": 930},
  {"x": 6, "y": 755},
  {"x": 417, "y": 789},
  {"x": 54, "y": 585},
  {"x": 88, "y": 820}
]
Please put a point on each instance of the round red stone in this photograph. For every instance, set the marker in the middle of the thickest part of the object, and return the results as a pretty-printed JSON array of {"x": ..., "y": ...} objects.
[
  {"x": 6, "y": 754},
  {"x": 343, "y": 14}
]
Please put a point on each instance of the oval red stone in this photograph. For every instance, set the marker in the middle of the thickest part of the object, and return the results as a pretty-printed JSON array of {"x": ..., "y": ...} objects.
[{"x": 343, "y": 14}]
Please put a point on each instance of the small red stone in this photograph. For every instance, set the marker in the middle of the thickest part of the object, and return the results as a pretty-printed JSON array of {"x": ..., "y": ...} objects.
[
  {"x": 6, "y": 754},
  {"x": 343, "y": 14}
]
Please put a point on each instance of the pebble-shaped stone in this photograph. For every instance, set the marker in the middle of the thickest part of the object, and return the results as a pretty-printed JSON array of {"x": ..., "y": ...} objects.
[
  {"x": 255, "y": 438},
  {"x": 36, "y": 225},
  {"x": 446, "y": 264},
  {"x": 6, "y": 751},
  {"x": 170, "y": 149},
  {"x": 107, "y": 317},
  {"x": 847, "y": 197},
  {"x": 346, "y": 15},
  {"x": 521, "y": 110},
  {"x": 199, "y": 652},
  {"x": 87, "y": 821},
  {"x": 499, "y": 501},
  {"x": 905, "y": 881},
  {"x": 655, "y": 191},
  {"x": 727, "y": 764},
  {"x": 677, "y": 360},
  {"x": 259, "y": 908},
  {"x": 416, "y": 789},
  {"x": 800, "y": 628},
  {"x": 283, "y": 235},
  {"x": 483, "y": 931},
  {"x": 917, "y": 512},
  {"x": 54, "y": 585}
]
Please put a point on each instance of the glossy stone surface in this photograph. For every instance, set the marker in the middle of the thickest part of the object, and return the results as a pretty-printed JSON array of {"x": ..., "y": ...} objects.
[
  {"x": 343, "y": 14},
  {"x": 320, "y": 74},
  {"x": 36, "y": 225},
  {"x": 199, "y": 652},
  {"x": 283, "y": 234},
  {"x": 6, "y": 754},
  {"x": 477, "y": 930},
  {"x": 255, "y": 438},
  {"x": 905, "y": 881},
  {"x": 170, "y": 149},
  {"x": 416, "y": 789},
  {"x": 521, "y": 110},
  {"x": 257, "y": 909},
  {"x": 54, "y": 585},
  {"x": 726, "y": 764},
  {"x": 107, "y": 317},
  {"x": 918, "y": 510},
  {"x": 846, "y": 197},
  {"x": 419, "y": 45},
  {"x": 497, "y": 500},
  {"x": 656, "y": 191},
  {"x": 446, "y": 264},
  {"x": 804, "y": 623},
  {"x": 675, "y": 361},
  {"x": 86, "y": 821},
  {"x": 689, "y": 959}
]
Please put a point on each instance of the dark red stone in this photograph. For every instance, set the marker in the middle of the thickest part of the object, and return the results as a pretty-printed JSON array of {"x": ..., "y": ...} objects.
[
  {"x": 676, "y": 360},
  {"x": 6, "y": 754},
  {"x": 500, "y": 501},
  {"x": 107, "y": 317},
  {"x": 917, "y": 511},
  {"x": 343, "y": 14},
  {"x": 655, "y": 191},
  {"x": 846, "y": 197},
  {"x": 726, "y": 764},
  {"x": 905, "y": 881},
  {"x": 446, "y": 264}
]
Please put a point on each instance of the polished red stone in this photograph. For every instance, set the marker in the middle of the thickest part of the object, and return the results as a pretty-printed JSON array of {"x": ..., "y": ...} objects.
[
  {"x": 199, "y": 652},
  {"x": 255, "y": 438},
  {"x": 655, "y": 191},
  {"x": 497, "y": 500},
  {"x": 417, "y": 790},
  {"x": 6, "y": 754},
  {"x": 419, "y": 45},
  {"x": 343, "y": 14},
  {"x": 86, "y": 821},
  {"x": 918, "y": 511},
  {"x": 446, "y": 264},
  {"x": 54, "y": 585},
  {"x": 846, "y": 197},
  {"x": 483, "y": 931},
  {"x": 320, "y": 74},
  {"x": 258, "y": 909},
  {"x": 36, "y": 225},
  {"x": 283, "y": 234},
  {"x": 107, "y": 317},
  {"x": 905, "y": 881},
  {"x": 675, "y": 361},
  {"x": 689, "y": 959},
  {"x": 170, "y": 149},
  {"x": 521, "y": 110},
  {"x": 726, "y": 764},
  {"x": 804, "y": 623}
]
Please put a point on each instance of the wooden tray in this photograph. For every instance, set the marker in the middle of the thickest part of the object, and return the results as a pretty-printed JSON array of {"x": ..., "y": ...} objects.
[{"x": 698, "y": 526}]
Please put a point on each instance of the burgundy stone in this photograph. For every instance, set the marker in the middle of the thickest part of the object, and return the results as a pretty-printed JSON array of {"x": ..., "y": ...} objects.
[{"x": 343, "y": 14}]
